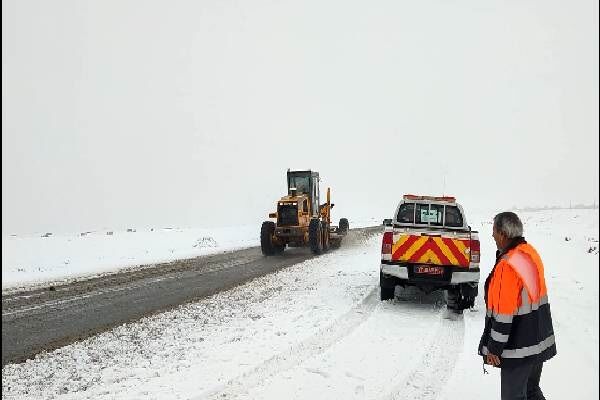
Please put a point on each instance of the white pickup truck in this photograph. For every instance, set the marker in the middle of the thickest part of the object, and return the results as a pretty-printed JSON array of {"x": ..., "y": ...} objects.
[{"x": 428, "y": 244}]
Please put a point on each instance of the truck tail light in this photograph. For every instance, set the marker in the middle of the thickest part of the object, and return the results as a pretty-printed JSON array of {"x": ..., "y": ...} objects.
[
  {"x": 475, "y": 251},
  {"x": 386, "y": 244}
]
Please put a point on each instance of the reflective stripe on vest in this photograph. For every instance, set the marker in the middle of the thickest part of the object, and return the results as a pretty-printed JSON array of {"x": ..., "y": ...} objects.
[
  {"x": 524, "y": 351},
  {"x": 526, "y": 306},
  {"x": 529, "y": 350}
]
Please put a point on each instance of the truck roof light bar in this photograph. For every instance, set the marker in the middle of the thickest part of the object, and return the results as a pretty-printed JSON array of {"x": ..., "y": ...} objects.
[{"x": 450, "y": 199}]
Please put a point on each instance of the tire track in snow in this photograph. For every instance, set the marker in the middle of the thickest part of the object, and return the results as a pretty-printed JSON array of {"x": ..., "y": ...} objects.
[
  {"x": 297, "y": 354},
  {"x": 431, "y": 373}
]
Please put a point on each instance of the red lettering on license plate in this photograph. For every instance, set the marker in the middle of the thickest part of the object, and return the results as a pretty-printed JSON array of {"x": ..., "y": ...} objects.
[{"x": 429, "y": 270}]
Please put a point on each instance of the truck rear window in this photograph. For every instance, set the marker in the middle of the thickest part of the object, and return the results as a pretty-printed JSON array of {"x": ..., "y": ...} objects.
[
  {"x": 430, "y": 214},
  {"x": 406, "y": 213},
  {"x": 453, "y": 217}
]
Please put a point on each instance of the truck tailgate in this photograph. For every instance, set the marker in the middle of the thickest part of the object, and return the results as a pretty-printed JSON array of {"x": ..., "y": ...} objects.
[{"x": 432, "y": 248}]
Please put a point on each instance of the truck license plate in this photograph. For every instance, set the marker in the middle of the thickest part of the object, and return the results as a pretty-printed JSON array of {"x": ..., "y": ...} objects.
[{"x": 429, "y": 270}]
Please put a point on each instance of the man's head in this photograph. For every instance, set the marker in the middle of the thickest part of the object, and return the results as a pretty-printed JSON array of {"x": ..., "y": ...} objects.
[{"x": 507, "y": 226}]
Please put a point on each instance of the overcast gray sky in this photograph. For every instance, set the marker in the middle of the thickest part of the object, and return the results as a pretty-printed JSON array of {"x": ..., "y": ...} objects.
[{"x": 119, "y": 113}]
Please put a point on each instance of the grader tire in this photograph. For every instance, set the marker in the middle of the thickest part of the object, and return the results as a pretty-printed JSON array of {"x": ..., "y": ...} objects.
[
  {"x": 326, "y": 238},
  {"x": 315, "y": 239},
  {"x": 344, "y": 225},
  {"x": 266, "y": 238}
]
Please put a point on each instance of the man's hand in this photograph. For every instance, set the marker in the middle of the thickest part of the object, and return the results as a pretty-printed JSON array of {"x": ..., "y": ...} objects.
[{"x": 492, "y": 359}]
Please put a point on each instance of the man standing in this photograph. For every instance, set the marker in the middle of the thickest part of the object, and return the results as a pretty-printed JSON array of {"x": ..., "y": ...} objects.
[{"x": 518, "y": 335}]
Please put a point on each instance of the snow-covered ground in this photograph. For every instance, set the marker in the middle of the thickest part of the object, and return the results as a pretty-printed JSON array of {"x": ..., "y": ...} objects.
[
  {"x": 35, "y": 259},
  {"x": 318, "y": 331}
]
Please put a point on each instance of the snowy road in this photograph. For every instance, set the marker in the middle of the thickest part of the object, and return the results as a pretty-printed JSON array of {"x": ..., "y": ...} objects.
[{"x": 47, "y": 318}]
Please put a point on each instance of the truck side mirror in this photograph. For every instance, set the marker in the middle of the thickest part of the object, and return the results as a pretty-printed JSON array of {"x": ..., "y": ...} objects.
[{"x": 387, "y": 222}]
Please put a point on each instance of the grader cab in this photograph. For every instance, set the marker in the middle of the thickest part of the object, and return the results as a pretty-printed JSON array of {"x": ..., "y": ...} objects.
[{"x": 301, "y": 219}]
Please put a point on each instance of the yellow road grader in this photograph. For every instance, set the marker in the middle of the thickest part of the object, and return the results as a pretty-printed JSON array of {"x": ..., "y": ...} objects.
[{"x": 300, "y": 218}]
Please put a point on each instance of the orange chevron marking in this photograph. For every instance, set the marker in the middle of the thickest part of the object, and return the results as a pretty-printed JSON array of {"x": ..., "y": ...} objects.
[
  {"x": 447, "y": 252},
  {"x": 431, "y": 250}
]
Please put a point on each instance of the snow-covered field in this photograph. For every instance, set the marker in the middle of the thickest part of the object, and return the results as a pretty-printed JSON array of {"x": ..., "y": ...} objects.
[
  {"x": 34, "y": 259},
  {"x": 318, "y": 331}
]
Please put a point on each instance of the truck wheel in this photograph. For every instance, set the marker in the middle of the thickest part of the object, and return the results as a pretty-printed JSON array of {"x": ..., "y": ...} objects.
[
  {"x": 387, "y": 287},
  {"x": 468, "y": 302},
  {"x": 468, "y": 293},
  {"x": 315, "y": 239},
  {"x": 387, "y": 293},
  {"x": 343, "y": 226},
  {"x": 454, "y": 300},
  {"x": 469, "y": 289},
  {"x": 266, "y": 238}
]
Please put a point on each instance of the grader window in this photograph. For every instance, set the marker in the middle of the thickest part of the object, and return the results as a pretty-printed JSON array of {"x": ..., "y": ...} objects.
[{"x": 301, "y": 183}]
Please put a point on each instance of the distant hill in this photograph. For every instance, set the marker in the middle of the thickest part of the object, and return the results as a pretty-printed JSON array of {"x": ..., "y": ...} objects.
[{"x": 573, "y": 207}]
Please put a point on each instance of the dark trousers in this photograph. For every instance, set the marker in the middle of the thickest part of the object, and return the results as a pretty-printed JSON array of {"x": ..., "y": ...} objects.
[{"x": 521, "y": 382}]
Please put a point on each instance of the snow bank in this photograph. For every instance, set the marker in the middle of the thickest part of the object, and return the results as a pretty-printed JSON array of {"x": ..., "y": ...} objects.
[{"x": 37, "y": 259}]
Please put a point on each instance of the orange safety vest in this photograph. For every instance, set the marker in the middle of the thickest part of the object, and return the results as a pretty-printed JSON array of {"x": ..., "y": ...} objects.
[{"x": 518, "y": 280}]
